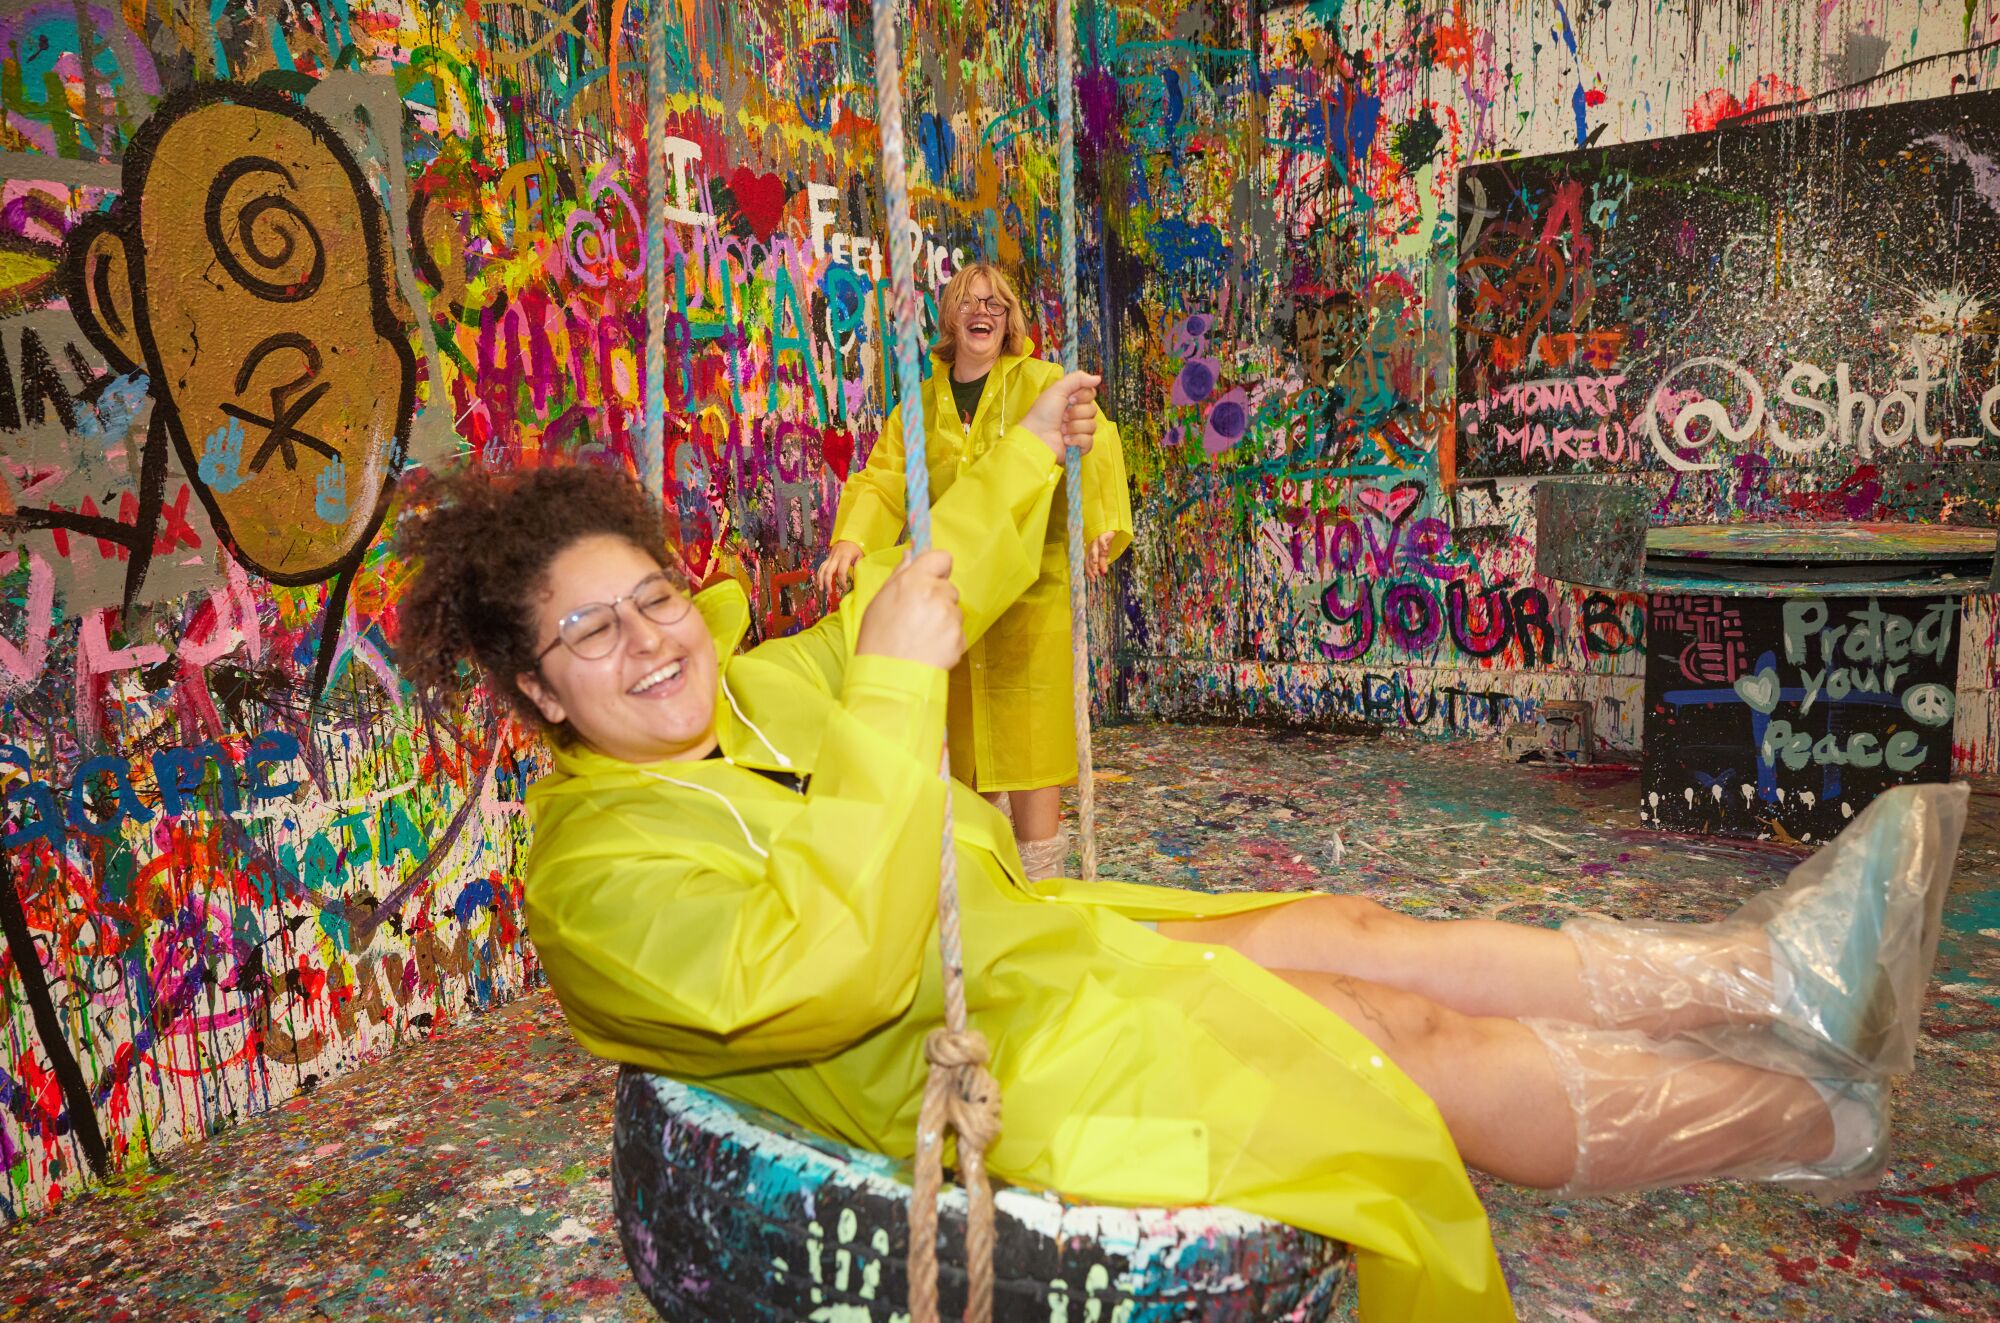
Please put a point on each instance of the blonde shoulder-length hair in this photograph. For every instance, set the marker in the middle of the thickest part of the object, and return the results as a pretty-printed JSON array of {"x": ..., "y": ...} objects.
[{"x": 1015, "y": 338}]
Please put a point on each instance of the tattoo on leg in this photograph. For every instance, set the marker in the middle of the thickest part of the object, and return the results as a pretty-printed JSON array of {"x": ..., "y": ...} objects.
[{"x": 1362, "y": 1003}]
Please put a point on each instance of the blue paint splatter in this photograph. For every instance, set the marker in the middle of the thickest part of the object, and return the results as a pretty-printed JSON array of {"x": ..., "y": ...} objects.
[
  {"x": 938, "y": 142},
  {"x": 1177, "y": 243},
  {"x": 109, "y": 420},
  {"x": 1344, "y": 125},
  {"x": 476, "y": 895},
  {"x": 1684, "y": 697},
  {"x": 1577, "y": 100}
]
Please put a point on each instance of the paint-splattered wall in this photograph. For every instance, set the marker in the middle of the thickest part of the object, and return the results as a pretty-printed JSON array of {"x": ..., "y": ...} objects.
[
  {"x": 263, "y": 267},
  {"x": 1278, "y": 279}
]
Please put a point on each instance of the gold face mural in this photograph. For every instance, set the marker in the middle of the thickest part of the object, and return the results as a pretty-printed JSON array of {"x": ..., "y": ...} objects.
[
  {"x": 247, "y": 423},
  {"x": 281, "y": 374}
]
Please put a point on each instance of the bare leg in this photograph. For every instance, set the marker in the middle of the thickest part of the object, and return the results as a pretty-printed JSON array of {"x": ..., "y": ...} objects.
[
  {"x": 1473, "y": 966},
  {"x": 1037, "y": 813},
  {"x": 1826, "y": 973},
  {"x": 1511, "y": 1114},
  {"x": 1039, "y": 833}
]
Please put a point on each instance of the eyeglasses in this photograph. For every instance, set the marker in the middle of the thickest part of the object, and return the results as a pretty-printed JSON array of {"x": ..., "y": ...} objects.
[
  {"x": 992, "y": 307},
  {"x": 592, "y": 631}
]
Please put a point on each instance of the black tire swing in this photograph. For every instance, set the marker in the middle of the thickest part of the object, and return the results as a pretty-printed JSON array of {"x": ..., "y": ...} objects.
[{"x": 730, "y": 1215}]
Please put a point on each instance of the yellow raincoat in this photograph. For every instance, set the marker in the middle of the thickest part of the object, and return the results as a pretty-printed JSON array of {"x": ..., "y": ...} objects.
[
  {"x": 782, "y": 948},
  {"x": 1012, "y": 707}
]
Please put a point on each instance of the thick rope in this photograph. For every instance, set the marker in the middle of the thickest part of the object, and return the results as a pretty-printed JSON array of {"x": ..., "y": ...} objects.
[
  {"x": 958, "y": 1091},
  {"x": 652, "y": 446},
  {"x": 1079, "y": 588}
]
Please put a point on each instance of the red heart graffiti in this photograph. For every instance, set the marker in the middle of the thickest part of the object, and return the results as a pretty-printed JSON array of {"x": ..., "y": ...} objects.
[
  {"x": 837, "y": 445},
  {"x": 761, "y": 199},
  {"x": 1392, "y": 504}
]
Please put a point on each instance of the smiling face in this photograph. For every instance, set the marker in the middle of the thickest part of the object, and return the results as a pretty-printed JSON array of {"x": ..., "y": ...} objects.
[
  {"x": 981, "y": 329},
  {"x": 653, "y": 697},
  {"x": 980, "y": 321}
]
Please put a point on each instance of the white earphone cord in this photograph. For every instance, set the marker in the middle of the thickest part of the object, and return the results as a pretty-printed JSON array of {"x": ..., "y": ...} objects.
[{"x": 756, "y": 730}]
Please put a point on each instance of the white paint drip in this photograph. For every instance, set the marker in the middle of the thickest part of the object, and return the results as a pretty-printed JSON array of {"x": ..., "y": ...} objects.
[
  {"x": 571, "y": 1232},
  {"x": 513, "y": 1179}
]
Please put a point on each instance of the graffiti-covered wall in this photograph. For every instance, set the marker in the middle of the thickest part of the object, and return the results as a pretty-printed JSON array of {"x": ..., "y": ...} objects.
[
  {"x": 262, "y": 268},
  {"x": 1290, "y": 310}
]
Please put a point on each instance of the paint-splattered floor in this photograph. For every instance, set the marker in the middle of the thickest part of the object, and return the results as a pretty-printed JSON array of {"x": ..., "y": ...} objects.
[
  {"x": 1460, "y": 833},
  {"x": 467, "y": 1178}
]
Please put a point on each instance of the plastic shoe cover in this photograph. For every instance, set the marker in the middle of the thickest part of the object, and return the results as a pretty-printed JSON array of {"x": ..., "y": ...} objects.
[
  {"x": 1042, "y": 860},
  {"x": 1856, "y": 926},
  {"x": 1652, "y": 1113},
  {"x": 1859, "y": 1158}
]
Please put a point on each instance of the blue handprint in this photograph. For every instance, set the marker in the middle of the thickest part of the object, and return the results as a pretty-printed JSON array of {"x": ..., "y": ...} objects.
[
  {"x": 222, "y": 457},
  {"x": 331, "y": 502}
]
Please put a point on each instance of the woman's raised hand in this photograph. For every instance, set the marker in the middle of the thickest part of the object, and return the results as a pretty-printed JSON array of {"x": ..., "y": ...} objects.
[
  {"x": 916, "y": 615},
  {"x": 1065, "y": 415}
]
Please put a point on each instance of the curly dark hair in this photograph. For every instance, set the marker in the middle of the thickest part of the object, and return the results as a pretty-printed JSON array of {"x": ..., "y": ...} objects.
[{"x": 482, "y": 545}]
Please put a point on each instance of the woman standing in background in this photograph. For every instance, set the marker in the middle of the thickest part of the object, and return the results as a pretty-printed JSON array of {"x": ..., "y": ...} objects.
[{"x": 1012, "y": 716}]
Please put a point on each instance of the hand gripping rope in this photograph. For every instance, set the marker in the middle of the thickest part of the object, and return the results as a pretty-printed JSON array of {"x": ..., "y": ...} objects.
[{"x": 959, "y": 1091}]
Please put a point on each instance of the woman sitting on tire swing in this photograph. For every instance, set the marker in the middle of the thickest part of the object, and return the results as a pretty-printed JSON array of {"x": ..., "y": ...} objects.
[{"x": 734, "y": 873}]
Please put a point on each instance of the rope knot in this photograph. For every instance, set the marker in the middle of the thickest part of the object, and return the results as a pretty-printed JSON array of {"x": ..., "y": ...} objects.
[
  {"x": 960, "y": 1094},
  {"x": 954, "y": 1051},
  {"x": 971, "y": 1095}
]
